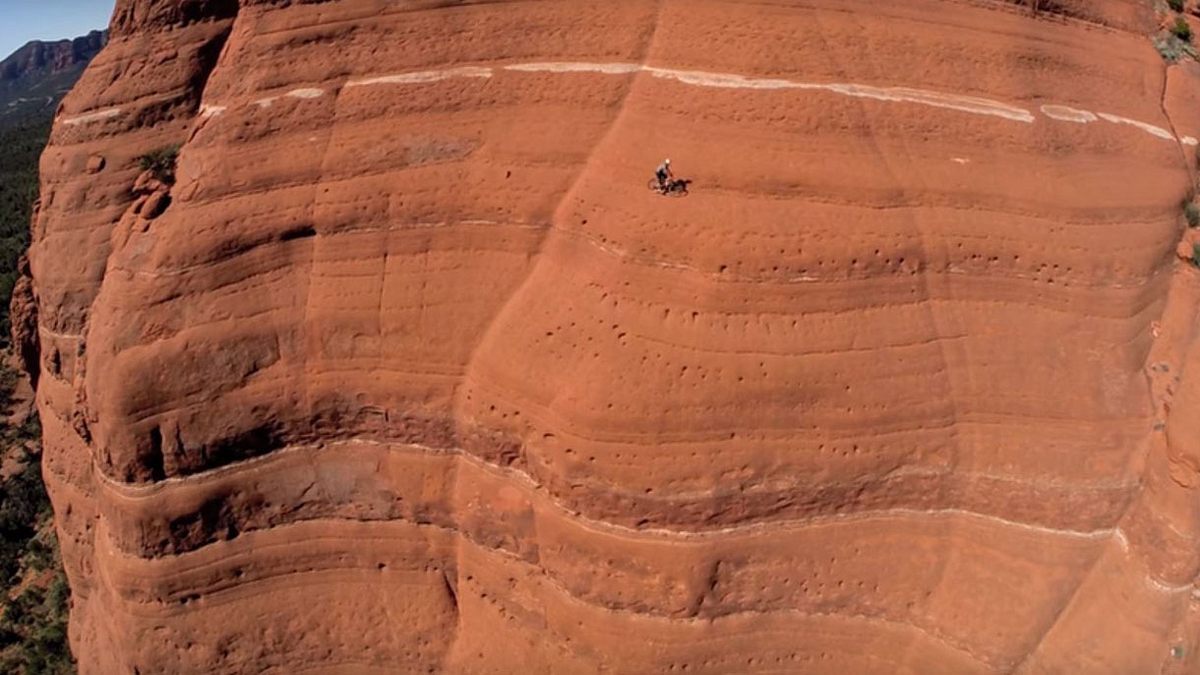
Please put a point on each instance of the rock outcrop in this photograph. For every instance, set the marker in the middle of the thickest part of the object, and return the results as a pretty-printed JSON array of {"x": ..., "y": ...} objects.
[{"x": 406, "y": 370}]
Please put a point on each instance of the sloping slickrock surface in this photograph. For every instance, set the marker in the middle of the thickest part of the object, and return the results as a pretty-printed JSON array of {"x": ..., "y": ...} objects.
[{"x": 408, "y": 370}]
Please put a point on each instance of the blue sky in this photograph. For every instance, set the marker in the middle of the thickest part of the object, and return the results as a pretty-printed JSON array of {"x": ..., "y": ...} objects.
[{"x": 25, "y": 20}]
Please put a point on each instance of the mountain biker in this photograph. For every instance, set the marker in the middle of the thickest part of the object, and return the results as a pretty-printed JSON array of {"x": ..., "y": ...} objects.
[{"x": 664, "y": 175}]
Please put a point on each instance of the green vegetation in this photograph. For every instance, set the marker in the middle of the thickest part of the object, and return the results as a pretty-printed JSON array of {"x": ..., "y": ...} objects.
[
  {"x": 161, "y": 163},
  {"x": 1196, "y": 255},
  {"x": 34, "y": 596},
  {"x": 33, "y": 621},
  {"x": 1181, "y": 29},
  {"x": 22, "y": 144},
  {"x": 1172, "y": 48},
  {"x": 33, "y": 630},
  {"x": 23, "y": 507},
  {"x": 1192, "y": 213},
  {"x": 34, "y": 599},
  {"x": 1174, "y": 41}
]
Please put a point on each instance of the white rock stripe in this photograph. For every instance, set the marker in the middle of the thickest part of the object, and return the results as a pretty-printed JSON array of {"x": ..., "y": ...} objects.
[
  {"x": 968, "y": 104},
  {"x": 732, "y": 81},
  {"x": 1148, "y": 128},
  {"x": 295, "y": 93},
  {"x": 305, "y": 93},
  {"x": 1064, "y": 113},
  {"x": 1151, "y": 582},
  {"x": 107, "y": 113},
  {"x": 423, "y": 76},
  {"x": 569, "y": 67}
]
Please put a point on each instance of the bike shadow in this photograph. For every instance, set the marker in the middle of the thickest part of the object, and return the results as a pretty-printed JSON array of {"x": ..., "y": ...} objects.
[{"x": 678, "y": 187}]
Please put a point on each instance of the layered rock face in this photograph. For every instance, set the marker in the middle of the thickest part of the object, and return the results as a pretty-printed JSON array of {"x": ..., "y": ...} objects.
[{"x": 408, "y": 371}]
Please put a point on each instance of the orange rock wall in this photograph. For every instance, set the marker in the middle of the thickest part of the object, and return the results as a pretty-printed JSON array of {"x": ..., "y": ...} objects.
[{"x": 408, "y": 371}]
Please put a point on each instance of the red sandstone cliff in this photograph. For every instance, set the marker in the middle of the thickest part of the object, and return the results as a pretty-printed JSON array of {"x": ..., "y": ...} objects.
[{"x": 408, "y": 371}]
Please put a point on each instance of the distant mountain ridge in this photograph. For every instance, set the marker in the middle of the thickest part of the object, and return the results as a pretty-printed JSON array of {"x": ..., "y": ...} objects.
[
  {"x": 38, "y": 74},
  {"x": 38, "y": 57}
]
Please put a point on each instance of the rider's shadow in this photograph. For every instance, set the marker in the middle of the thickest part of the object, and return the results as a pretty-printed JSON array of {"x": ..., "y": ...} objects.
[{"x": 675, "y": 188}]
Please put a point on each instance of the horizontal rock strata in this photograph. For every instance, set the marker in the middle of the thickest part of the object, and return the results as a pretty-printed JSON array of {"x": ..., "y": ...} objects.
[{"x": 405, "y": 370}]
